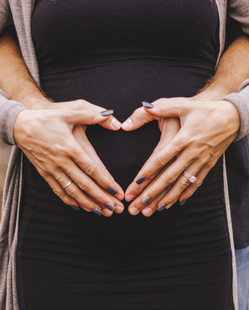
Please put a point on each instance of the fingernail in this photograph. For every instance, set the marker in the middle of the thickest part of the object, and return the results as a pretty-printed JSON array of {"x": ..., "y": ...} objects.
[
  {"x": 147, "y": 212},
  {"x": 127, "y": 124},
  {"x": 110, "y": 206},
  {"x": 111, "y": 191},
  {"x": 97, "y": 212},
  {"x": 133, "y": 210},
  {"x": 140, "y": 180},
  {"x": 161, "y": 207},
  {"x": 146, "y": 200},
  {"x": 129, "y": 197},
  {"x": 182, "y": 202},
  {"x": 147, "y": 105},
  {"x": 76, "y": 208},
  {"x": 107, "y": 112}
]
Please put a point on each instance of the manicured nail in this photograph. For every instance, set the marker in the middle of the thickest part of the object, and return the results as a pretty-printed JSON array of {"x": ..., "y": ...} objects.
[
  {"x": 107, "y": 112},
  {"x": 140, "y": 180},
  {"x": 146, "y": 200},
  {"x": 129, "y": 197},
  {"x": 111, "y": 191},
  {"x": 161, "y": 207},
  {"x": 76, "y": 208},
  {"x": 147, "y": 105},
  {"x": 97, "y": 212},
  {"x": 110, "y": 206},
  {"x": 133, "y": 210},
  {"x": 126, "y": 125},
  {"x": 182, "y": 202}
]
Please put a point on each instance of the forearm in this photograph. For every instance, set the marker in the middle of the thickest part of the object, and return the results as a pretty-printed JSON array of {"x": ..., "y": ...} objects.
[
  {"x": 15, "y": 79},
  {"x": 231, "y": 71}
]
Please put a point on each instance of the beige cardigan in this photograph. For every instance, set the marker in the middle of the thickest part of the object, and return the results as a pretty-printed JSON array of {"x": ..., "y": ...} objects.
[{"x": 21, "y": 11}]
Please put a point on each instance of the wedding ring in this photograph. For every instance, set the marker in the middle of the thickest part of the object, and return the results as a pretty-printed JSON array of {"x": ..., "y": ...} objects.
[
  {"x": 69, "y": 183},
  {"x": 191, "y": 179}
]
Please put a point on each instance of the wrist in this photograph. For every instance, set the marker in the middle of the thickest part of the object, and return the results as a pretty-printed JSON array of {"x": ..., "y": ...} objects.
[
  {"x": 211, "y": 94},
  {"x": 35, "y": 102},
  {"x": 233, "y": 115}
]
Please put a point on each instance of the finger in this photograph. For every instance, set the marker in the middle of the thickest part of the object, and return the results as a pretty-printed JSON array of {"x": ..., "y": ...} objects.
[
  {"x": 201, "y": 175},
  {"x": 115, "y": 189},
  {"x": 172, "y": 107},
  {"x": 160, "y": 159},
  {"x": 182, "y": 183},
  {"x": 170, "y": 127},
  {"x": 83, "y": 112},
  {"x": 71, "y": 149},
  {"x": 59, "y": 191},
  {"x": 167, "y": 177},
  {"x": 136, "y": 206},
  {"x": 138, "y": 185},
  {"x": 153, "y": 206},
  {"x": 165, "y": 155},
  {"x": 137, "y": 120},
  {"x": 81, "y": 183},
  {"x": 111, "y": 123}
]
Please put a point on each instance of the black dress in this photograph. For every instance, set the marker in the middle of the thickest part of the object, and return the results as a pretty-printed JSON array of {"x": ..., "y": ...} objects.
[{"x": 116, "y": 54}]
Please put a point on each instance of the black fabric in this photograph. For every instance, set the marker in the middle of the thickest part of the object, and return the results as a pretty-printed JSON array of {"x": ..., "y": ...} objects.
[{"x": 116, "y": 54}]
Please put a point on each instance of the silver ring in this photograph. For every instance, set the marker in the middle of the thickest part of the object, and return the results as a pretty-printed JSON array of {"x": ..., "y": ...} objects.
[
  {"x": 191, "y": 179},
  {"x": 69, "y": 183}
]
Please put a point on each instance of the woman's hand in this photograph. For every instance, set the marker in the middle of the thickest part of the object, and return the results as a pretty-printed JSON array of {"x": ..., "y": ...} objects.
[
  {"x": 54, "y": 140},
  {"x": 207, "y": 129}
]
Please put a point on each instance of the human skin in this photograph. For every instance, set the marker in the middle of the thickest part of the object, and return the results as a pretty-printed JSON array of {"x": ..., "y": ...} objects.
[
  {"x": 15, "y": 80},
  {"x": 200, "y": 131},
  {"x": 52, "y": 135}
]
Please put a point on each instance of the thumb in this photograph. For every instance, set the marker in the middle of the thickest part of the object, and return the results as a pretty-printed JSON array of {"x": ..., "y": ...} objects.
[
  {"x": 172, "y": 107},
  {"x": 93, "y": 115},
  {"x": 137, "y": 119}
]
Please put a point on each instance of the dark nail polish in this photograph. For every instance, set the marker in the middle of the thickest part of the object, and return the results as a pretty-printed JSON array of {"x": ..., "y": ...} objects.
[
  {"x": 98, "y": 212},
  {"x": 76, "y": 208},
  {"x": 161, "y": 207},
  {"x": 110, "y": 206},
  {"x": 107, "y": 112},
  {"x": 182, "y": 202},
  {"x": 147, "y": 105},
  {"x": 140, "y": 180},
  {"x": 111, "y": 191},
  {"x": 146, "y": 200}
]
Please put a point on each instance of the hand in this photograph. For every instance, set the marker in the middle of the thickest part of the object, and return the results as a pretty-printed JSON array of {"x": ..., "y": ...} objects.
[
  {"x": 207, "y": 129},
  {"x": 61, "y": 152}
]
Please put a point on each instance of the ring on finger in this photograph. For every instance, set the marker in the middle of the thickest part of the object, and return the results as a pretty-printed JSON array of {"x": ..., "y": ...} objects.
[
  {"x": 68, "y": 184},
  {"x": 191, "y": 178}
]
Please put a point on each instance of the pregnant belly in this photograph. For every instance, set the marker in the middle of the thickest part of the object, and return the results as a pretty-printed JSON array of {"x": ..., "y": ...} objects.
[{"x": 121, "y": 86}]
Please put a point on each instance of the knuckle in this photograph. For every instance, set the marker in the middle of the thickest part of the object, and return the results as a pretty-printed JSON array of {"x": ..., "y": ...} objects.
[
  {"x": 170, "y": 177},
  {"x": 161, "y": 160},
  {"x": 183, "y": 184},
  {"x": 85, "y": 186},
  {"x": 71, "y": 191},
  {"x": 198, "y": 183},
  {"x": 58, "y": 192},
  {"x": 91, "y": 170}
]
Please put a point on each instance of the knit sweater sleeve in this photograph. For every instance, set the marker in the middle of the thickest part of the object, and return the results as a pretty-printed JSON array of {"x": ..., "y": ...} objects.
[
  {"x": 239, "y": 10},
  {"x": 9, "y": 109},
  {"x": 241, "y": 101}
]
